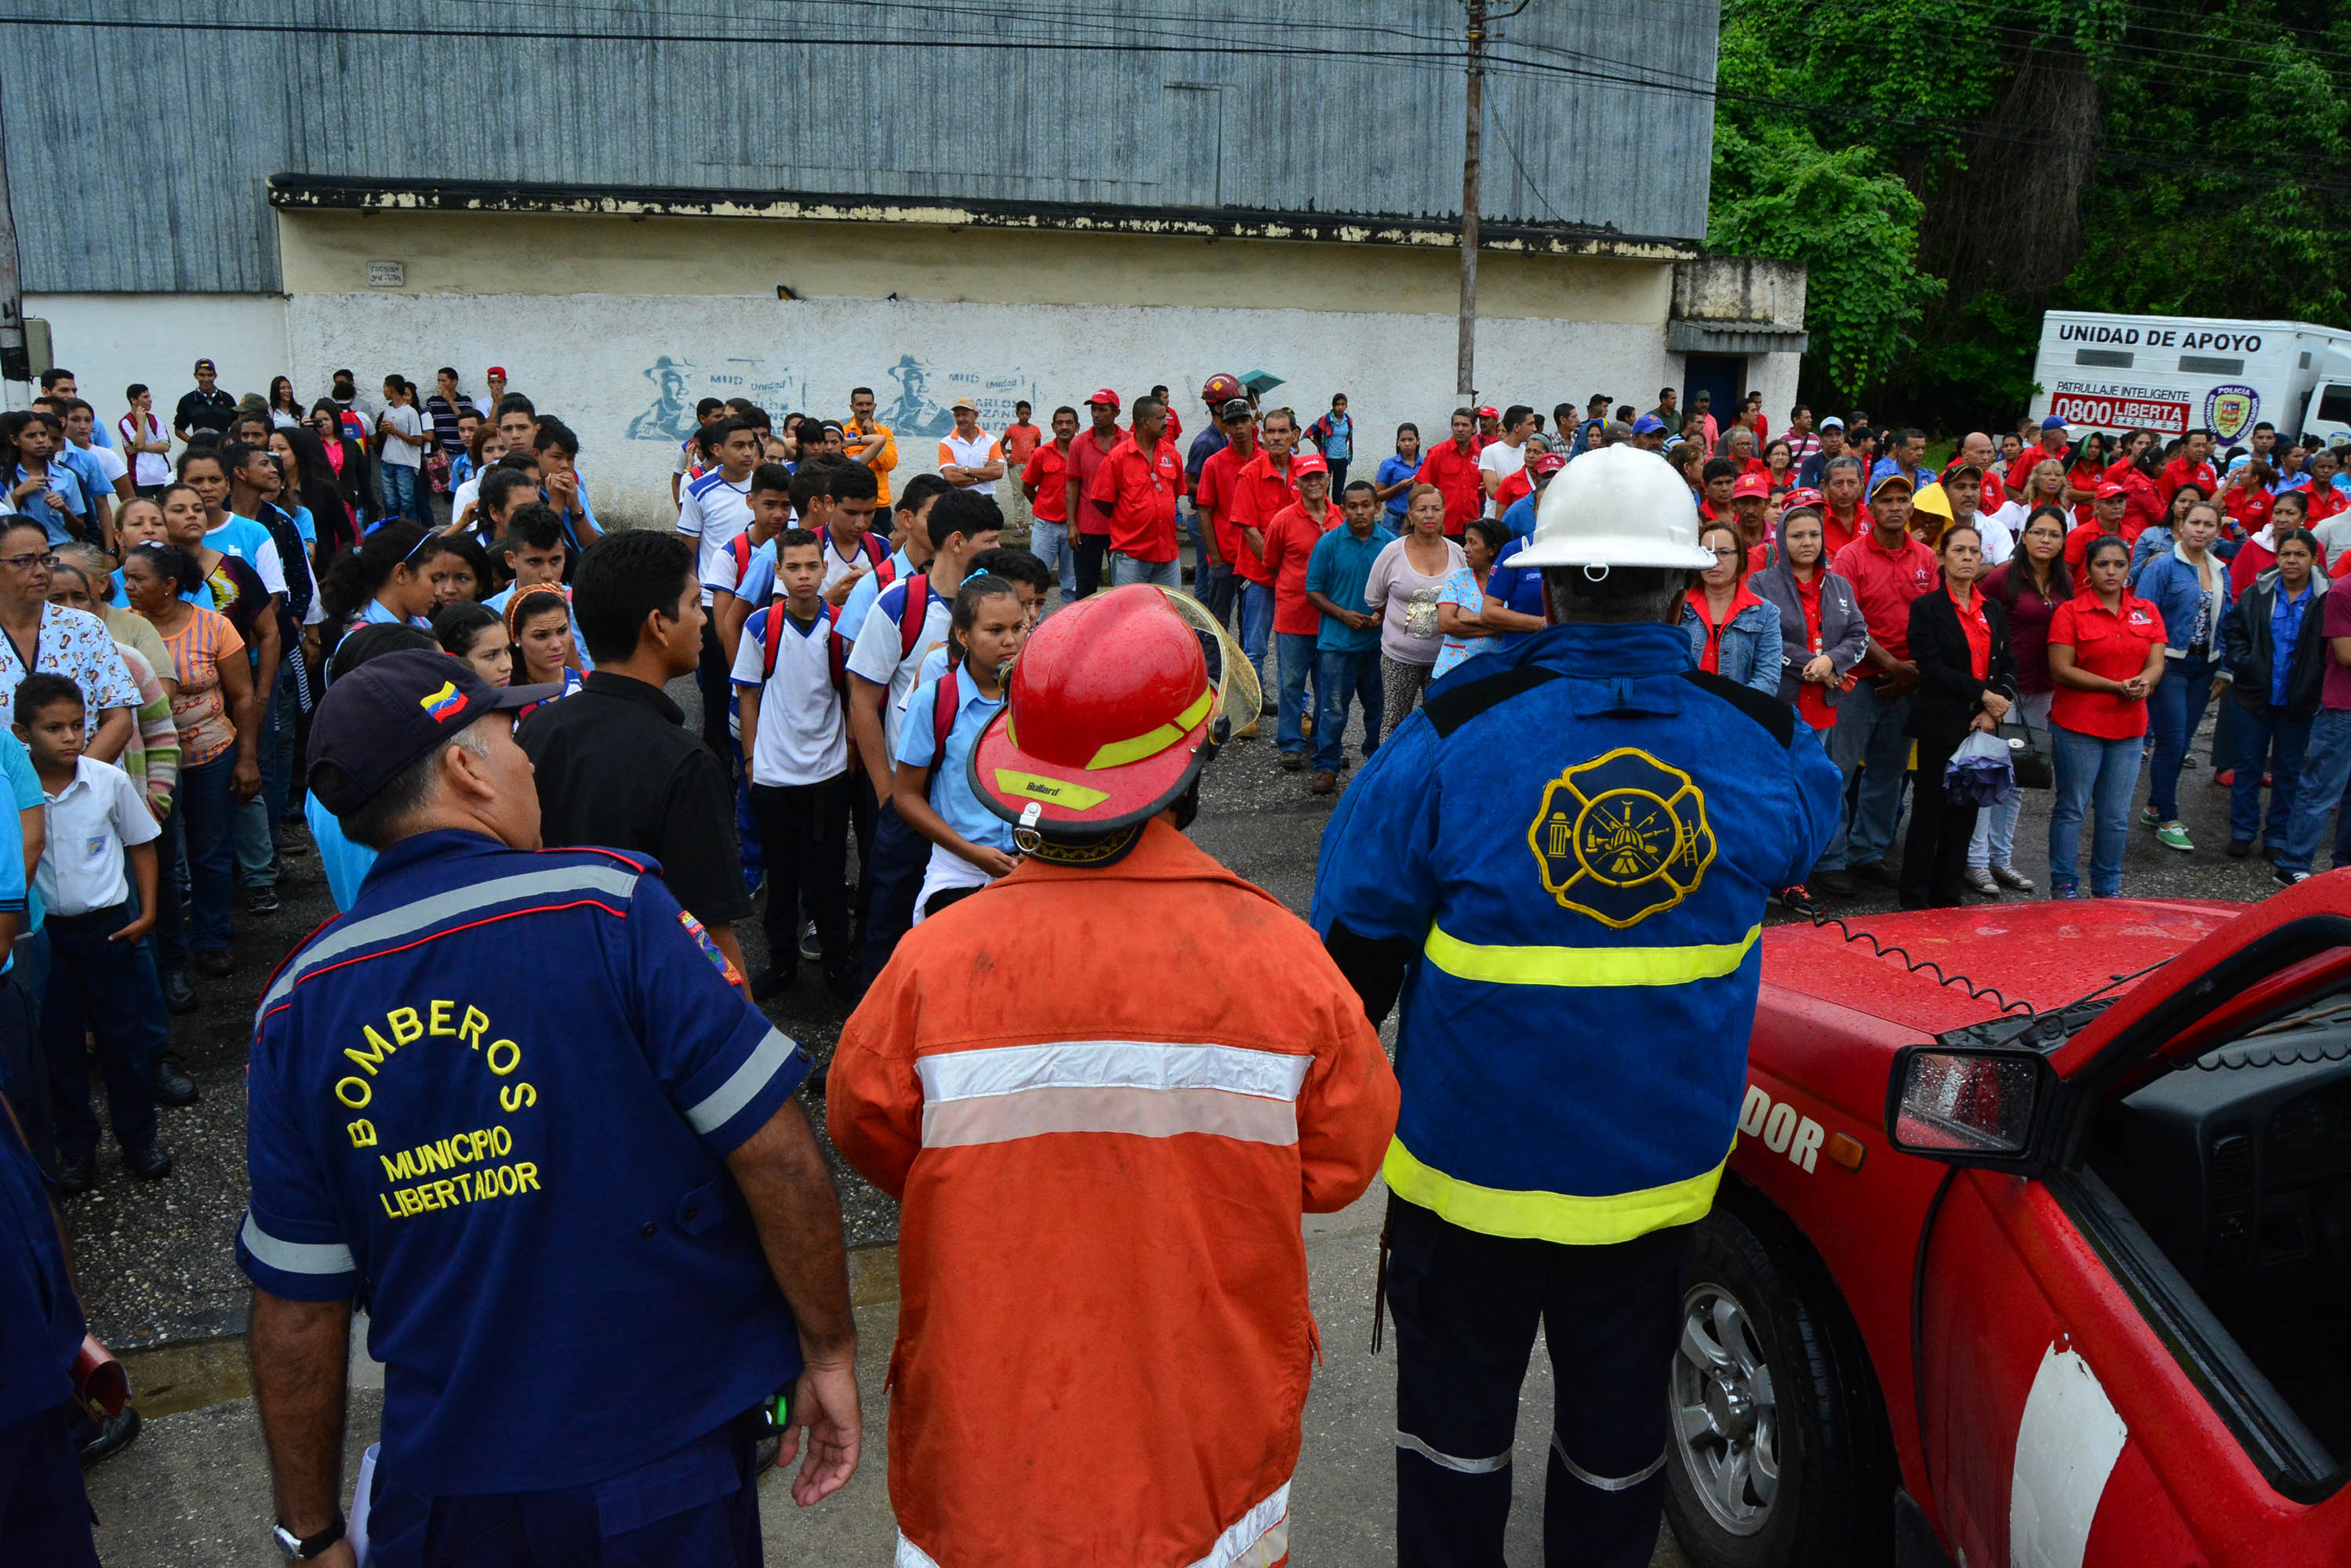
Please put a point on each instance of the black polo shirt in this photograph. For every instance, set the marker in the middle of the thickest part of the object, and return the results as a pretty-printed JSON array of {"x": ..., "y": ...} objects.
[
  {"x": 204, "y": 411},
  {"x": 618, "y": 767}
]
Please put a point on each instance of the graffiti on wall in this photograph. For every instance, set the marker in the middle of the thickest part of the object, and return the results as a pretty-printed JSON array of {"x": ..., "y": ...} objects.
[
  {"x": 679, "y": 384},
  {"x": 918, "y": 408}
]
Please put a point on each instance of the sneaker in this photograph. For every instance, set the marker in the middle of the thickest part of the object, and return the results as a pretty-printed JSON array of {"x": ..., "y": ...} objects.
[
  {"x": 2065, "y": 890},
  {"x": 2009, "y": 877},
  {"x": 263, "y": 901},
  {"x": 1980, "y": 880},
  {"x": 1834, "y": 882},
  {"x": 1873, "y": 871},
  {"x": 2190, "y": 763},
  {"x": 2224, "y": 778},
  {"x": 179, "y": 997},
  {"x": 2285, "y": 878},
  {"x": 2174, "y": 836},
  {"x": 2240, "y": 848},
  {"x": 150, "y": 1164},
  {"x": 2148, "y": 818},
  {"x": 811, "y": 950},
  {"x": 109, "y": 1435},
  {"x": 1796, "y": 900}
]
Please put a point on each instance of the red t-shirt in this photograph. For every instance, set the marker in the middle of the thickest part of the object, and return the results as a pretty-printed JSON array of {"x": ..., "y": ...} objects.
[
  {"x": 2178, "y": 472},
  {"x": 2109, "y": 642},
  {"x": 1710, "y": 657},
  {"x": 1976, "y": 627},
  {"x": 1019, "y": 440},
  {"x": 2078, "y": 542},
  {"x": 1836, "y": 533},
  {"x": 2324, "y": 500},
  {"x": 1811, "y": 698},
  {"x": 2248, "y": 510},
  {"x": 1216, "y": 492},
  {"x": 1048, "y": 468},
  {"x": 1086, "y": 457},
  {"x": 1259, "y": 493},
  {"x": 2021, "y": 470},
  {"x": 1455, "y": 472},
  {"x": 1290, "y": 538},
  {"x": 1884, "y": 582},
  {"x": 1514, "y": 489},
  {"x": 1141, "y": 489}
]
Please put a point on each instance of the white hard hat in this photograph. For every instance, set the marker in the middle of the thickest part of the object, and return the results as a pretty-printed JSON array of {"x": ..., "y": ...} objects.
[{"x": 1619, "y": 505}]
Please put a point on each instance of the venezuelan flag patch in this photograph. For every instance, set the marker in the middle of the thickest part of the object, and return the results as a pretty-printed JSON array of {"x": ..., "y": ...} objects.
[{"x": 695, "y": 929}]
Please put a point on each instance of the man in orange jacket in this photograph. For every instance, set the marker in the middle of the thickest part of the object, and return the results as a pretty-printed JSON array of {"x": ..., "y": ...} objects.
[{"x": 1104, "y": 1091}]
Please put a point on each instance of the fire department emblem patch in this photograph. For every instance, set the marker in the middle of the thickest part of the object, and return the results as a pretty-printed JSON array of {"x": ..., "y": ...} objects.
[{"x": 1621, "y": 837}]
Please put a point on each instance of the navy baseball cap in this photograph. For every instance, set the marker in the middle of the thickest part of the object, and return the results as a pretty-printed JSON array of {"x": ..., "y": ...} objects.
[{"x": 378, "y": 721}]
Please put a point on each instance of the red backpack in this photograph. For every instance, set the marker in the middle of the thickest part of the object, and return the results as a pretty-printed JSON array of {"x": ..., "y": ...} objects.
[
  {"x": 740, "y": 548},
  {"x": 913, "y": 611},
  {"x": 770, "y": 623},
  {"x": 944, "y": 706}
]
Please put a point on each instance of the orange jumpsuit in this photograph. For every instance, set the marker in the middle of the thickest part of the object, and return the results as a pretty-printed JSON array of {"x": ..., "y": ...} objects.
[{"x": 1103, "y": 1098}]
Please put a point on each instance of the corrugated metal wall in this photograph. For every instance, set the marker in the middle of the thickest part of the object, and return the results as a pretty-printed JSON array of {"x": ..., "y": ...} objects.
[{"x": 139, "y": 133}]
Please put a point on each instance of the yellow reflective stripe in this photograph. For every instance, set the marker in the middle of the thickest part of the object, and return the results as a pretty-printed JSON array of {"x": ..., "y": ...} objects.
[
  {"x": 1057, "y": 791},
  {"x": 1588, "y": 965},
  {"x": 1152, "y": 742},
  {"x": 1549, "y": 1216}
]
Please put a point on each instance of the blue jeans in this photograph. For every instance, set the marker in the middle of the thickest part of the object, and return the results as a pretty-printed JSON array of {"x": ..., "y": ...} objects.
[
  {"x": 1257, "y": 622},
  {"x": 1339, "y": 675},
  {"x": 2325, "y": 781},
  {"x": 1295, "y": 660},
  {"x": 1050, "y": 542},
  {"x": 1125, "y": 572},
  {"x": 2097, "y": 776},
  {"x": 1868, "y": 739},
  {"x": 2268, "y": 740},
  {"x": 894, "y": 869},
  {"x": 1215, "y": 587},
  {"x": 2174, "y": 709},
  {"x": 404, "y": 495},
  {"x": 203, "y": 813}
]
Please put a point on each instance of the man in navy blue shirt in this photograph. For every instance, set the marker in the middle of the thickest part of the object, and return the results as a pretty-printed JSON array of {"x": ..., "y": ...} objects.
[
  {"x": 44, "y": 1512},
  {"x": 596, "y": 1241}
]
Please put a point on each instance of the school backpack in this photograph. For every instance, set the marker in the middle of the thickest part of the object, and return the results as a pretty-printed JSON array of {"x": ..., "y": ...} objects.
[
  {"x": 770, "y": 623},
  {"x": 913, "y": 611},
  {"x": 944, "y": 708}
]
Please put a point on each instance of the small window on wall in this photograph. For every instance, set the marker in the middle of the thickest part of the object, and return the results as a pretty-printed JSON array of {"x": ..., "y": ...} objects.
[
  {"x": 2105, "y": 358},
  {"x": 2206, "y": 365}
]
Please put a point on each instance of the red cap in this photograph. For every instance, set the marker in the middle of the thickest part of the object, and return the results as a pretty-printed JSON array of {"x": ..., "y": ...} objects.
[
  {"x": 1221, "y": 388},
  {"x": 498, "y": 371},
  {"x": 1803, "y": 498},
  {"x": 1546, "y": 463},
  {"x": 1488, "y": 410},
  {"x": 1307, "y": 463},
  {"x": 1105, "y": 396},
  {"x": 2107, "y": 490},
  {"x": 1105, "y": 716},
  {"x": 1751, "y": 485}
]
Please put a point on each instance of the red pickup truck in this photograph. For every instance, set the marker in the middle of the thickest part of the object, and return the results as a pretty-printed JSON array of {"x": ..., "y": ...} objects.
[{"x": 2052, "y": 1274}]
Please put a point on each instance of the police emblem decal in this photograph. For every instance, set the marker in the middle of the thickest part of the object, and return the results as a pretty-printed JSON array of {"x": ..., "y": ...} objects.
[{"x": 1621, "y": 837}]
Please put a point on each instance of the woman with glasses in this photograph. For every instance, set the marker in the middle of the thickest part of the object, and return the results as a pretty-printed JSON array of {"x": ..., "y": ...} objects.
[
  {"x": 36, "y": 634},
  {"x": 218, "y": 714},
  {"x": 1732, "y": 632}
]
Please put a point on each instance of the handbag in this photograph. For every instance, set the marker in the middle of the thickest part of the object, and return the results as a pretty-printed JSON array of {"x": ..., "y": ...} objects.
[{"x": 2027, "y": 755}]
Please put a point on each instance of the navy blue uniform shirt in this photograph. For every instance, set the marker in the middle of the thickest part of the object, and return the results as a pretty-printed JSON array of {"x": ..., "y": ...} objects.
[{"x": 493, "y": 1100}]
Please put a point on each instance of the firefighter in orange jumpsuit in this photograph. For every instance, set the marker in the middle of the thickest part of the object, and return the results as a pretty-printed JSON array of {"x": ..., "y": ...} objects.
[{"x": 1104, "y": 1090}]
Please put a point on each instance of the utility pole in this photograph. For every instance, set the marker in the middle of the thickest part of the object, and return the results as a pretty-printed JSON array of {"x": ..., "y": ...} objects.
[{"x": 1466, "y": 377}]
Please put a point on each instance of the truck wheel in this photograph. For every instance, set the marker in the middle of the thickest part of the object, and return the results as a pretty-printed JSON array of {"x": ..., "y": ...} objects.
[{"x": 1774, "y": 1457}]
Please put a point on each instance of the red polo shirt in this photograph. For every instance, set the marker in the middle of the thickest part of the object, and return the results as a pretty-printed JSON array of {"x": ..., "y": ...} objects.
[
  {"x": 1086, "y": 458},
  {"x": 1290, "y": 538},
  {"x": 2109, "y": 642},
  {"x": 1884, "y": 582},
  {"x": 1215, "y": 493},
  {"x": 1259, "y": 493},
  {"x": 2250, "y": 510},
  {"x": 1140, "y": 488},
  {"x": 1049, "y": 470},
  {"x": 2178, "y": 472},
  {"x": 1838, "y": 532},
  {"x": 1019, "y": 440},
  {"x": 2033, "y": 457},
  {"x": 1455, "y": 472}
]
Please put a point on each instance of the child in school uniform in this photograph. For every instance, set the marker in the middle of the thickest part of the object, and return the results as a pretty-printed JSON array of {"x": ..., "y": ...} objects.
[
  {"x": 97, "y": 829},
  {"x": 788, "y": 674},
  {"x": 971, "y": 846}
]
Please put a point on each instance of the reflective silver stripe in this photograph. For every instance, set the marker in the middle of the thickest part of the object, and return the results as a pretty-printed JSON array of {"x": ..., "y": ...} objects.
[
  {"x": 426, "y": 912},
  {"x": 743, "y": 1085},
  {"x": 1500, "y": 1461},
  {"x": 323, "y": 1258},
  {"x": 911, "y": 1555},
  {"x": 1605, "y": 1483}
]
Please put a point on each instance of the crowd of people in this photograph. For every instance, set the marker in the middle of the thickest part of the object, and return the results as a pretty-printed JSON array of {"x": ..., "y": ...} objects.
[{"x": 179, "y": 598}]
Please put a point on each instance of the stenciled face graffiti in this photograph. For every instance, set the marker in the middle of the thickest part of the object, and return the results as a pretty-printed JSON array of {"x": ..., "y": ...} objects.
[{"x": 671, "y": 417}]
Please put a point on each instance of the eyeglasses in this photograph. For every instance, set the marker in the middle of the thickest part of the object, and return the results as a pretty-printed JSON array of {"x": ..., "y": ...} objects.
[
  {"x": 27, "y": 562},
  {"x": 1726, "y": 555}
]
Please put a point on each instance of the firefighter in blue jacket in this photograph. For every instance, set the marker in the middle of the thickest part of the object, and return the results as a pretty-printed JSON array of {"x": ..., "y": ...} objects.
[
  {"x": 1561, "y": 864},
  {"x": 516, "y": 1101}
]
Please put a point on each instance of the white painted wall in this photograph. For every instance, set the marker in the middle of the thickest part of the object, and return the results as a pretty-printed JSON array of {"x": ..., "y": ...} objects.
[
  {"x": 598, "y": 361},
  {"x": 109, "y": 340}
]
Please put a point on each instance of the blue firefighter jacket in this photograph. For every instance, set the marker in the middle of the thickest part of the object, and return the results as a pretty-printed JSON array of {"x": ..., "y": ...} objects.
[{"x": 1563, "y": 858}]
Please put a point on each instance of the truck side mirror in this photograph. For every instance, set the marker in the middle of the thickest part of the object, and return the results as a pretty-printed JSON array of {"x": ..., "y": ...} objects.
[{"x": 1969, "y": 1105}]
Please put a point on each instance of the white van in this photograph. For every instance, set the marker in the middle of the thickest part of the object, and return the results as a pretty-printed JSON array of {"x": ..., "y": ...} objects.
[{"x": 2171, "y": 374}]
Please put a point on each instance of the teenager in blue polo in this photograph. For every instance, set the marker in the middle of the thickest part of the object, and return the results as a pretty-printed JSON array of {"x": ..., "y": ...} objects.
[
  {"x": 1559, "y": 866},
  {"x": 592, "y": 1230}
]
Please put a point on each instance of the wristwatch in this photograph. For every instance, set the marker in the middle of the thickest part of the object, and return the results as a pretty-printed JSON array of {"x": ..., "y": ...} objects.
[{"x": 298, "y": 1549}]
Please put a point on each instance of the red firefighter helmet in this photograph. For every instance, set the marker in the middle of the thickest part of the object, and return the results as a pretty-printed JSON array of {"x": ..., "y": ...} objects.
[
  {"x": 1109, "y": 716},
  {"x": 1221, "y": 389}
]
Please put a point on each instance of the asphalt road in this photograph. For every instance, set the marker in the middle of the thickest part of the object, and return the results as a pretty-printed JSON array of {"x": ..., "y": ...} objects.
[{"x": 155, "y": 1259}]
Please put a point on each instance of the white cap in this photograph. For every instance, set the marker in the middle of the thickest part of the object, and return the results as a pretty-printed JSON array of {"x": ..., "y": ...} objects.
[{"x": 1619, "y": 505}]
